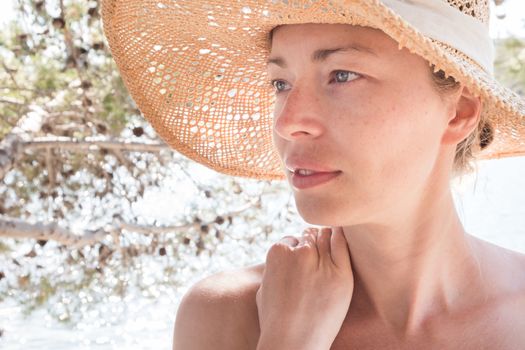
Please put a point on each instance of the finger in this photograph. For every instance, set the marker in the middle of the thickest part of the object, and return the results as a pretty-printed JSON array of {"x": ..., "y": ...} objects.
[
  {"x": 323, "y": 244},
  {"x": 311, "y": 233},
  {"x": 339, "y": 248},
  {"x": 302, "y": 240},
  {"x": 306, "y": 239},
  {"x": 290, "y": 240}
]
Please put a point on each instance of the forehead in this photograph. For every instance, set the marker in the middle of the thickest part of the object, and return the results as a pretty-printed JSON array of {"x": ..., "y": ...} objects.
[
  {"x": 311, "y": 33},
  {"x": 319, "y": 41}
]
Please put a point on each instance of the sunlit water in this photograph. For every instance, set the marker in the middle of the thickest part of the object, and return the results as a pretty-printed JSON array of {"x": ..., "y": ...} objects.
[
  {"x": 147, "y": 326},
  {"x": 492, "y": 207}
]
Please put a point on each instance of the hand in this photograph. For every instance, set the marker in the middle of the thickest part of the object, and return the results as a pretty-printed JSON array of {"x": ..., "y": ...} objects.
[{"x": 306, "y": 290}]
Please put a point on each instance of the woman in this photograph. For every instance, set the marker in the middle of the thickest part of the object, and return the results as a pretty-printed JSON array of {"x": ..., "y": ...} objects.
[{"x": 369, "y": 137}]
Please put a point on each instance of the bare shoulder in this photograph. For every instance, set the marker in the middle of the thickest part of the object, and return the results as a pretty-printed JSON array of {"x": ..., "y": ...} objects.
[
  {"x": 506, "y": 270},
  {"x": 516, "y": 277},
  {"x": 505, "y": 266},
  {"x": 511, "y": 315},
  {"x": 219, "y": 312},
  {"x": 519, "y": 280}
]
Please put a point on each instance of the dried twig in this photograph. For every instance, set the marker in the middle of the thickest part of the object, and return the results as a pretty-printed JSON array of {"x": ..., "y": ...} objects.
[
  {"x": 16, "y": 228},
  {"x": 50, "y": 169},
  {"x": 87, "y": 144},
  {"x": 11, "y": 101}
]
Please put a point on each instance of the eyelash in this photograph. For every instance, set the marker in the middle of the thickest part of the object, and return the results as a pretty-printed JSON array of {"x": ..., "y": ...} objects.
[{"x": 274, "y": 81}]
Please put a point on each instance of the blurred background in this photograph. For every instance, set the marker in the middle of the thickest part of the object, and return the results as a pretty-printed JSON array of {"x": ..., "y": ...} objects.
[{"x": 103, "y": 228}]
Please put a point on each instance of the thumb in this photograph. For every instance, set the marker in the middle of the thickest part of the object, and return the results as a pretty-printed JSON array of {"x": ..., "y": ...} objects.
[{"x": 339, "y": 248}]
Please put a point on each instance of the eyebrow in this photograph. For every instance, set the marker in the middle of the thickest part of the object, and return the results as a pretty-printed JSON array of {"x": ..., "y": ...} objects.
[{"x": 322, "y": 54}]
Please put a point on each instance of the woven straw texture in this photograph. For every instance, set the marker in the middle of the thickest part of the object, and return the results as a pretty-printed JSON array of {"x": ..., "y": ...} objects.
[{"x": 197, "y": 72}]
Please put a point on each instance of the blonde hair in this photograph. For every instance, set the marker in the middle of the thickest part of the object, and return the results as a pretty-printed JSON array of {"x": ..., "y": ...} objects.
[{"x": 478, "y": 139}]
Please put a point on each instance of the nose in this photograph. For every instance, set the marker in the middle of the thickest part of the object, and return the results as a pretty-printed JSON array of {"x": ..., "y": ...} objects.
[{"x": 299, "y": 114}]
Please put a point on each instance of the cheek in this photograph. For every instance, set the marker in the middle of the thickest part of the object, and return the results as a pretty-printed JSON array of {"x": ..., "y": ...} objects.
[
  {"x": 394, "y": 131},
  {"x": 411, "y": 135},
  {"x": 410, "y": 116},
  {"x": 365, "y": 122},
  {"x": 277, "y": 142}
]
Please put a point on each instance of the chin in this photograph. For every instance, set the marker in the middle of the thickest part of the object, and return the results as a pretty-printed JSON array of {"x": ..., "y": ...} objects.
[
  {"x": 315, "y": 214},
  {"x": 328, "y": 211}
]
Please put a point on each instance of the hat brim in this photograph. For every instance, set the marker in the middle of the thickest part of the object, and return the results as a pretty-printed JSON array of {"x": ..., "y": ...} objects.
[{"x": 197, "y": 72}]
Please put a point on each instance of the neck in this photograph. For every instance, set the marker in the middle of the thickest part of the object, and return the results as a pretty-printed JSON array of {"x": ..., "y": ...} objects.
[{"x": 416, "y": 267}]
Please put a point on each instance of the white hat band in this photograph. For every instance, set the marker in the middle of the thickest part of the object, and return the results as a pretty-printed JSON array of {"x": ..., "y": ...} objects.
[{"x": 440, "y": 21}]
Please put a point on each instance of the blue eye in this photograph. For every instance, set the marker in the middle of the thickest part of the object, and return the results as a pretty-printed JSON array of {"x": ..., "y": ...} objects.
[
  {"x": 341, "y": 76},
  {"x": 344, "y": 75},
  {"x": 278, "y": 85}
]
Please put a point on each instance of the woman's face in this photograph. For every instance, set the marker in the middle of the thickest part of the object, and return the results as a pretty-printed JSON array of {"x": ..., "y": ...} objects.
[{"x": 369, "y": 111}]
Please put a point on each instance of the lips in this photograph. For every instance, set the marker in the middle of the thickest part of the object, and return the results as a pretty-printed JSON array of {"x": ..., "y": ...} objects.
[
  {"x": 316, "y": 173},
  {"x": 302, "y": 182},
  {"x": 293, "y": 164},
  {"x": 308, "y": 172},
  {"x": 305, "y": 172}
]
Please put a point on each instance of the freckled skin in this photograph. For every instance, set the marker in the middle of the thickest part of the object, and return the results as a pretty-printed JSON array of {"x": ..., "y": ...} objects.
[
  {"x": 421, "y": 282},
  {"x": 389, "y": 121},
  {"x": 393, "y": 136}
]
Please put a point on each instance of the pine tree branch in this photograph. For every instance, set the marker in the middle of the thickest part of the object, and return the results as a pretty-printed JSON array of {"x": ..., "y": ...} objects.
[
  {"x": 16, "y": 228},
  {"x": 15, "y": 143},
  {"x": 87, "y": 144},
  {"x": 21, "y": 229},
  {"x": 11, "y": 101}
]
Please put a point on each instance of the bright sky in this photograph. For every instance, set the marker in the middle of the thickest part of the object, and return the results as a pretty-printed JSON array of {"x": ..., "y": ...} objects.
[
  {"x": 514, "y": 21},
  {"x": 6, "y": 11},
  {"x": 512, "y": 24}
]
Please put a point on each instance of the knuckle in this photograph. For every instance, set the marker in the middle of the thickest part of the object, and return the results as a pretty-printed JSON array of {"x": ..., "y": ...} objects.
[
  {"x": 326, "y": 230},
  {"x": 278, "y": 249},
  {"x": 310, "y": 231},
  {"x": 289, "y": 240},
  {"x": 287, "y": 237},
  {"x": 289, "y": 246},
  {"x": 325, "y": 233},
  {"x": 306, "y": 250}
]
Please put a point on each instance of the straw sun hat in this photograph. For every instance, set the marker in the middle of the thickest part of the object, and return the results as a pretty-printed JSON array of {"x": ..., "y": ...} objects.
[{"x": 197, "y": 69}]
